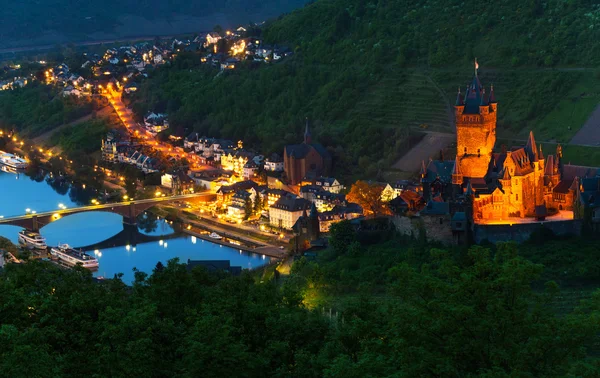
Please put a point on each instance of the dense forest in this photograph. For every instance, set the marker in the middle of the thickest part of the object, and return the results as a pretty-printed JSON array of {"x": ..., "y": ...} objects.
[
  {"x": 367, "y": 72},
  {"x": 393, "y": 307}
]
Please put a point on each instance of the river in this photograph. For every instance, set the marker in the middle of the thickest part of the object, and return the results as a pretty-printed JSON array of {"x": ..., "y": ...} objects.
[{"x": 20, "y": 193}]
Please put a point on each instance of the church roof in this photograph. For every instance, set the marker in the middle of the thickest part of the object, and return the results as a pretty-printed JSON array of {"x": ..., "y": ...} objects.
[
  {"x": 563, "y": 186},
  {"x": 299, "y": 151}
]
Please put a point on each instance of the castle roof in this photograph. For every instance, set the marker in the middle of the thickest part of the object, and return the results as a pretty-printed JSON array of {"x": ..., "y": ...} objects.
[
  {"x": 531, "y": 148},
  {"x": 572, "y": 171},
  {"x": 473, "y": 97},
  {"x": 549, "y": 169},
  {"x": 441, "y": 169},
  {"x": 563, "y": 186},
  {"x": 459, "y": 98}
]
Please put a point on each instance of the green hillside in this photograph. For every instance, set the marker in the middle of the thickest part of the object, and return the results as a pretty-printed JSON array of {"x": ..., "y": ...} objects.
[{"x": 368, "y": 72}]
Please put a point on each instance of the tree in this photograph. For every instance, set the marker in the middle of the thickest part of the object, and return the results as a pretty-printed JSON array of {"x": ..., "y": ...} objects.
[
  {"x": 247, "y": 208},
  {"x": 342, "y": 235},
  {"x": 258, "y": 204},
  {"x": 369, "y": 197}
]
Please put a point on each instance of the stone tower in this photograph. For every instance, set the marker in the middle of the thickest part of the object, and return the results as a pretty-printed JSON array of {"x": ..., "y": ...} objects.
[{"x": 475, "y": 117}]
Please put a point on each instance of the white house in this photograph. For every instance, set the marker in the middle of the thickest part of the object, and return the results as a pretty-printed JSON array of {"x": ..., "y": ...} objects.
[
  {"x": 329, "y": 184},
  {"x": 285, "y": 212},
  {"x": 212, "y": 38},
  {"x": 274, "y": 164}
]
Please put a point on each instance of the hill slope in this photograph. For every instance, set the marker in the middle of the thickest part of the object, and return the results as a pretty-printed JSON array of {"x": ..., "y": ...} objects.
[{"x": 367, "y": 72}]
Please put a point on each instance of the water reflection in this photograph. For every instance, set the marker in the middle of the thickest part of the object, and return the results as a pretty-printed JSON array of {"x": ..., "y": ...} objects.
[{"x": 155, "y": 240}]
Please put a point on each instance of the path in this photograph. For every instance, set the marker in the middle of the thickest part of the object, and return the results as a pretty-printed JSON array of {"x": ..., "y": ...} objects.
[
  {"x": 589, "y": 134},
  {"x": 41, "y": 139},
  {"x": 449, "y": 109},
  {"x": 428, "y": 147}
]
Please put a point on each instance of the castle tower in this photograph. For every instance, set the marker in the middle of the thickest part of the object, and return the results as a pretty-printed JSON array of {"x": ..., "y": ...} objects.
[{"x": 475, "y": 119}]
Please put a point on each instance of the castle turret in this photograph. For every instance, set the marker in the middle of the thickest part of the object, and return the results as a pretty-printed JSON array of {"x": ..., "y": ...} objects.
[
  {"x": 459, "y": 106},
  {"x": 492, "y": 100},
  {"x": 531, "y": 148}
]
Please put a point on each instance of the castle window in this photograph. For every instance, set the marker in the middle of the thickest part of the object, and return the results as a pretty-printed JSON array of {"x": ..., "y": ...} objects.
[
  {"x": 465, "y": 150},
  {"x": 478, "y": 152},
  {"x": 516, "y": 195},
  {"x": 441, "y": 220}
]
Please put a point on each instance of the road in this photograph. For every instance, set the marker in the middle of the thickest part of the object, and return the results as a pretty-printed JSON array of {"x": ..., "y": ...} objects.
[
  {"x": 61, "y": 212},
  {"x": 126, "y": 116}
]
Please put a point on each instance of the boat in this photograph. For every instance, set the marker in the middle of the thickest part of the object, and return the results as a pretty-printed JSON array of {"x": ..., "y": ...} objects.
[
  {"x": 32, "y": 240},
  {"x": 214, "y": 235},
  {"x": 72, "y": 257},
  {"x": 12, "y": 161}
]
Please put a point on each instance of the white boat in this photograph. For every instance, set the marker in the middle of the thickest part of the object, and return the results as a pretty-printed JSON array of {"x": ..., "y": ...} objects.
[
  {"x": 214, "y": 235},
  {"x": 12, "y": 161},
  {"x": 32, "y": 239},
  {"x": 72, "y": 257}
]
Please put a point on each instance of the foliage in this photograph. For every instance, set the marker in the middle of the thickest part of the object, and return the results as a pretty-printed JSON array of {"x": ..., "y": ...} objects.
[
  {"x": 37, "y": 108},
  {"x": 369, "y": 196},
  {"x": 85, "y": 136},
  {"x": 401, "y": 308}
]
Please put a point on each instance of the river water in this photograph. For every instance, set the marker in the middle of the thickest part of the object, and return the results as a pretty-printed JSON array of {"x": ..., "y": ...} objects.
[{"x": 20, "y": 192}]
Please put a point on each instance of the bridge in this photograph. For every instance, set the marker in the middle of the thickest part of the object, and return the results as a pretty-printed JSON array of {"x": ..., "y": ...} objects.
[{"x": 129, "y": 210}]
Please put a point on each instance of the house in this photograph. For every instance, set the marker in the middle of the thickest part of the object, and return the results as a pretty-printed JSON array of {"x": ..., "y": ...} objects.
[
  {"x": 308, "y": 192},
  {"x": 270, "y": 195},
  {"x": 326, "y": 201},
  {"x": 70, "y": 91},
  {"x": 179, "y": 182},
  {"x": 329, "y": 184},
  {"x": 191, "y": 141},
  {"x": 285, "y": 212},
  {"x": 274, "y": 163},
  {"x": 237, "y": 208},
  {"x": 210, "y": 180},
  {"x": 403, "y": 185},
  {"x": 305, "y": 160},
  {"x": 131, "y": 87},
  {"x": 229, "y": 63},
  {"x": 226, "y": 192},
  {"x": 212, "y": 38},
  {"x": 156, "y": 122},
  {"x": 250, "y": 170},
  {"x": 307, "y": 228},
  {"x": 215, "y": 266},
  {"x": 407, "y": 201},
  {"x": 235, "y": 160}
]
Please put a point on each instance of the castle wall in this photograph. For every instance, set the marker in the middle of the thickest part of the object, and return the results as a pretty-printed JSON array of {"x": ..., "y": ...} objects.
[
  {"x": 522, "y": 231},
  {"x": 436, "y": 227}
]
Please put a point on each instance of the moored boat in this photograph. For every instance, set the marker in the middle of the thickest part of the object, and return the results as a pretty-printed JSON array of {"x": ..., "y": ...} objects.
[
  {"x": 32, "y": 239},
  {"x": 12, "y": 161},
  {"x": 72, "y": 257},
  {"x": 214, "y": 235}
]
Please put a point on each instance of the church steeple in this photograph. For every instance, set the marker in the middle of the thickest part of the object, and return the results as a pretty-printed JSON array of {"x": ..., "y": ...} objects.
[{"x": 307, "y": 136}]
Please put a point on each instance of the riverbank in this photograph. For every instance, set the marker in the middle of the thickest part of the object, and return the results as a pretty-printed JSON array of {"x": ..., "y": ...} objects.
[{"x": 228, "y": 240}]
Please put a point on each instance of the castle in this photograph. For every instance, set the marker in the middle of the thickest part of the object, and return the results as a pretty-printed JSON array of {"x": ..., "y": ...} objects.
[{"x": 497, "y": 186}]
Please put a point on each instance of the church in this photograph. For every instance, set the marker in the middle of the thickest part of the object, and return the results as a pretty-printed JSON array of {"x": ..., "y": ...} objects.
[{"x": 515, "y": 182}]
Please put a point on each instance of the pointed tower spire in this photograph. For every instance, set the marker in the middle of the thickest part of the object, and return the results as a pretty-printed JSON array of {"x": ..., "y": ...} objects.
[
  {"x": 457, "y": 177},
  {"x": 459, "y": 99},
  {"x": 423, "y": 169},
  {"x": 492, "y": 98},
  {"x": 469, "y": 191},
  {"x": 307, "y": 136},
  {"x": 476, "y": 66},
  {"x": 506, "y": 175},
  {"x": 482, "y": 103},
  {"x": 540, "y": 154},
  {"x": 531, "y": 148}
]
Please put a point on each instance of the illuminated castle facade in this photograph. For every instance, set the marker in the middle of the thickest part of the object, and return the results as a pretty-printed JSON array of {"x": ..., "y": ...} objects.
[{"x": 513, "y": 183}]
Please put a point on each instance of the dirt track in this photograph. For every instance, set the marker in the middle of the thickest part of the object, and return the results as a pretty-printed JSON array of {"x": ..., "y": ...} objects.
[
  {"x": 427, "y": 148},
  {"x": 589, "y": 134}
]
